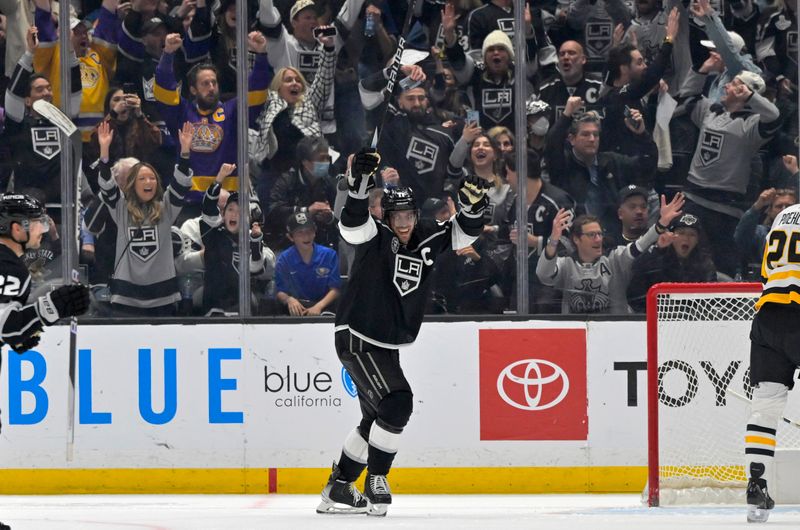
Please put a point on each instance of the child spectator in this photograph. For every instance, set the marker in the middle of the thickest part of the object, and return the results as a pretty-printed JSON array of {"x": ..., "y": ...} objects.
[
  {"x": 307, "y": 278},
  {"x": 220, "y": 233}
]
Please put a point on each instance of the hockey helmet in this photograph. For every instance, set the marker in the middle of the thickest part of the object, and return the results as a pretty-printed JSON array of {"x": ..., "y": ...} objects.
[
  {"x": 19, "y": 208},
  {"x": 396, "y": 199}
]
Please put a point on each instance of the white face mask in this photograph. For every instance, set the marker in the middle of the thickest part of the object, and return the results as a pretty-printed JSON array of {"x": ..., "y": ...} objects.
[{"x": 539, "y": 127}]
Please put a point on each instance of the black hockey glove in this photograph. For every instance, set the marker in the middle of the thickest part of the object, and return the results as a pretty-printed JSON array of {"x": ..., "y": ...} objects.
[
  {"x": 66, "y": 301},
  {"x": 361, "y": 175},
  {"x": 24, "y": 344},
  {"x": 472, "y": 195}
]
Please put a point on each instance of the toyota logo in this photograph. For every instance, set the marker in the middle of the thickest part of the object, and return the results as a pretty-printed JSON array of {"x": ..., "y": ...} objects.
[{"x": 533, "y": 382}]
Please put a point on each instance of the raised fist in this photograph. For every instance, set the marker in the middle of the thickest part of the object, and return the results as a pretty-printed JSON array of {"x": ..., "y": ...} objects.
[
  {"x": 361, "y": 173},
  {"x": 472, "y": 194},
  {"x": 66, "y": 301}
]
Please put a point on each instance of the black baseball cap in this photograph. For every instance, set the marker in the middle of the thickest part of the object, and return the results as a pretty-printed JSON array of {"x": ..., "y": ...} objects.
[
  {"x": 686, "y": 220},
  {"x": 431, "y": 207},
  {"x": 299, "y": 221},
  {"x": 630, "y": 191},
  {"x": 152, "y": 25}
]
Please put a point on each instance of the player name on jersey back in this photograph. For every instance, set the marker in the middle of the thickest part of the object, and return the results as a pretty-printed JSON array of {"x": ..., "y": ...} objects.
[
  {"x": 780, "y": 266},
  {"x": 788, "y": 217}
]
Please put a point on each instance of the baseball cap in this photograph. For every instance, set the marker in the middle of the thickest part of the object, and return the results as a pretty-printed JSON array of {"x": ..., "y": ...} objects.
[
  {"x": 753, "y": 81},
  {"x": 299, "y": 6},
  {"x": 299, "y": 221},
  {"x": 631, "y": 190},
  {"x": 431, "y": 207},
  {"x": 736, "y": 39},
  {"x": 686, "y": 220},
  {"x": 152, "y": 25}
]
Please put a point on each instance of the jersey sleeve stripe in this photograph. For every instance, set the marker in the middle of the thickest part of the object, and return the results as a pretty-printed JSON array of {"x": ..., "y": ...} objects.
[
  {"x": 459, "y": 238},
  {"x": 355, "y": 235}
]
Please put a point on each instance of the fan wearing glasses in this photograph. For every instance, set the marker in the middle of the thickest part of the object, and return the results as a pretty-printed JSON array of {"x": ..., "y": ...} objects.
[{"x": 592, "y": 280}]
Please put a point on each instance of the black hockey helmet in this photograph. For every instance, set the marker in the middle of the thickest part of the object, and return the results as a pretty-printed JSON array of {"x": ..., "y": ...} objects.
[
  {"x": 397, "y": 198},
  {"x": 19, "y": 208}
]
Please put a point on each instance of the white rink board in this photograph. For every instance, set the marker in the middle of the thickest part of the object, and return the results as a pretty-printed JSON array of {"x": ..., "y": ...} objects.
[{"x": 258, "y": 427}]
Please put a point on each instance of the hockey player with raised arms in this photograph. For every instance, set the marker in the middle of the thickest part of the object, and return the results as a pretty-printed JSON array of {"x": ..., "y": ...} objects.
[{"x": 381, "y": 311}]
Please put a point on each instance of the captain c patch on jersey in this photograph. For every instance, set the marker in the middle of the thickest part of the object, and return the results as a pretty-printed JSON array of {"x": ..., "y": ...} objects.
[
  {"x": 144, "y": 241},
  {"x": 407, "y": 273},
  {"x": 710, "y": 147}
]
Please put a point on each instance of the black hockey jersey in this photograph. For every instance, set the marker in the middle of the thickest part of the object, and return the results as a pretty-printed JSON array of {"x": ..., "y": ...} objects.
[
  {"x": 384, "y": 301},
  {"x": 556, "y": 93},
  {"x": 485, "y": 20},
  {"x": 419, "y": 151},
  {"x": 17, "y": 322}
]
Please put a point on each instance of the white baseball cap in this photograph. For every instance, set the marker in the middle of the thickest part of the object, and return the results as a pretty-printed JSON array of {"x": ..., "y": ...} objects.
[{"x": 736, "y": 39}]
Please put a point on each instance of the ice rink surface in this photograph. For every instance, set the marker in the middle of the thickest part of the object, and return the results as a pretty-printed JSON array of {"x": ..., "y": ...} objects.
[{"x": 462, "y": 512}]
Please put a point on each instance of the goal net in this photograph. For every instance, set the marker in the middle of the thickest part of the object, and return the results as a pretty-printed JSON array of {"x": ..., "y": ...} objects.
[{"x": 699, "y": 391}]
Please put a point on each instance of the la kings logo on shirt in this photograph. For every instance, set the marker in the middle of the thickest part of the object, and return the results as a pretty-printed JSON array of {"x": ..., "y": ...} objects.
[
  {"x": 407, "y": 273},
  {"x": 45, "y": 142},
  {"x": 506, "y": 25},
  {"x": 496, "y": 103},
  {"x": 308, "y": 63},
  {"x": 144, "y": 242},
  {"x": 423, "y": 153},
  {"x": 598, "y": 38},
  {"x": 710, "y": 147}
]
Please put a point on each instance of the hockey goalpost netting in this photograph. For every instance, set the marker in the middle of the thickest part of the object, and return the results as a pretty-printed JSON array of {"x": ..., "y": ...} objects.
[{"x": 698, "y": 393}]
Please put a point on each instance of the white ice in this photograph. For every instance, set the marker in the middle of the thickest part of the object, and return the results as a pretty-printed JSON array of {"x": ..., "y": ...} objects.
[{"x": 462, "y": 512}]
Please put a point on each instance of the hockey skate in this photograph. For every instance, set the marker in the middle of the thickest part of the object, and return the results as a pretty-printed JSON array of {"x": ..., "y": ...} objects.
[
  {"x": 759, "y": 503},
  {"x": 340, "y": 496},
  {"x": 376, "y": 490}
]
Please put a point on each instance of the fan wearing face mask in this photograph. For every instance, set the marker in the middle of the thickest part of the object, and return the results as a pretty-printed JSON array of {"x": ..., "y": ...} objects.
[{"x": 305, "y": 186}]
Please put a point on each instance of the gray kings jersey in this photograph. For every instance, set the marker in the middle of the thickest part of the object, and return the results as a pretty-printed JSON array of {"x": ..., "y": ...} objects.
[{"x": 144, "y": 273}]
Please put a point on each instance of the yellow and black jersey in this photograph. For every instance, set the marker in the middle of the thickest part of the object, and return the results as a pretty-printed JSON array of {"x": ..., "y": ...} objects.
[{"x": 780, "y": 267}]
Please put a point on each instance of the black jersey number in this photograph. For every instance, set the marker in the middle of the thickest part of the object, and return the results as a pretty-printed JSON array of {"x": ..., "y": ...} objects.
[
  {"x": 9, "y": 285},
  {"x": 777, "y": 248}
]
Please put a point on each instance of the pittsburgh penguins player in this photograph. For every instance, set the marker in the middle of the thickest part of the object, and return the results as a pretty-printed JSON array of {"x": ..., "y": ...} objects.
[
  {"x": 22, "y": 223},
  {"x": 381, "y": 311},
  {"x": 774, "y": 355}
]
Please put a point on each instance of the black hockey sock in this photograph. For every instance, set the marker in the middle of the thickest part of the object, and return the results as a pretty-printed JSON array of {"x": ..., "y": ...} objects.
[
  {"x": 349, "y": 468},
  {"x": 383, "y": 443},
  {"x": 380, "y": 462}
]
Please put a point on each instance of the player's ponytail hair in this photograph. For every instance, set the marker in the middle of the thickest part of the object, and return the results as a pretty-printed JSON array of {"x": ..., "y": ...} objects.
[{"x": 143, "y": 212}]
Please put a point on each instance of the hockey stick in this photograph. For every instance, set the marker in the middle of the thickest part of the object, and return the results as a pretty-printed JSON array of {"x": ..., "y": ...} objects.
[
  {"x": 398, "y": 54},
  {"x": 50, "y": 112},
  {"x": 742, "y": 397}
]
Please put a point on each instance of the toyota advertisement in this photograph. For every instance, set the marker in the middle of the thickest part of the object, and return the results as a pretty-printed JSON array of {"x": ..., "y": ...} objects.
[{"x": 533, "y": 384}]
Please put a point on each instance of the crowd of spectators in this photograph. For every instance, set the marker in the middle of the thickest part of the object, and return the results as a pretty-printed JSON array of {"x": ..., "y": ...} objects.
[{"x": 661, "y": 141}]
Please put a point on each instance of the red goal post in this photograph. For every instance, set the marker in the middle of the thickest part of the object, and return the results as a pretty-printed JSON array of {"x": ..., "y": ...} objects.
[{"x": 693, "y": 307}]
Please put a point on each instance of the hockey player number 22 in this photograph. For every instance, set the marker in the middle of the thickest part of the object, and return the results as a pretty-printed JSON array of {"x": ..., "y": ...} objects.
[{"x": 9, "y": 285}]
